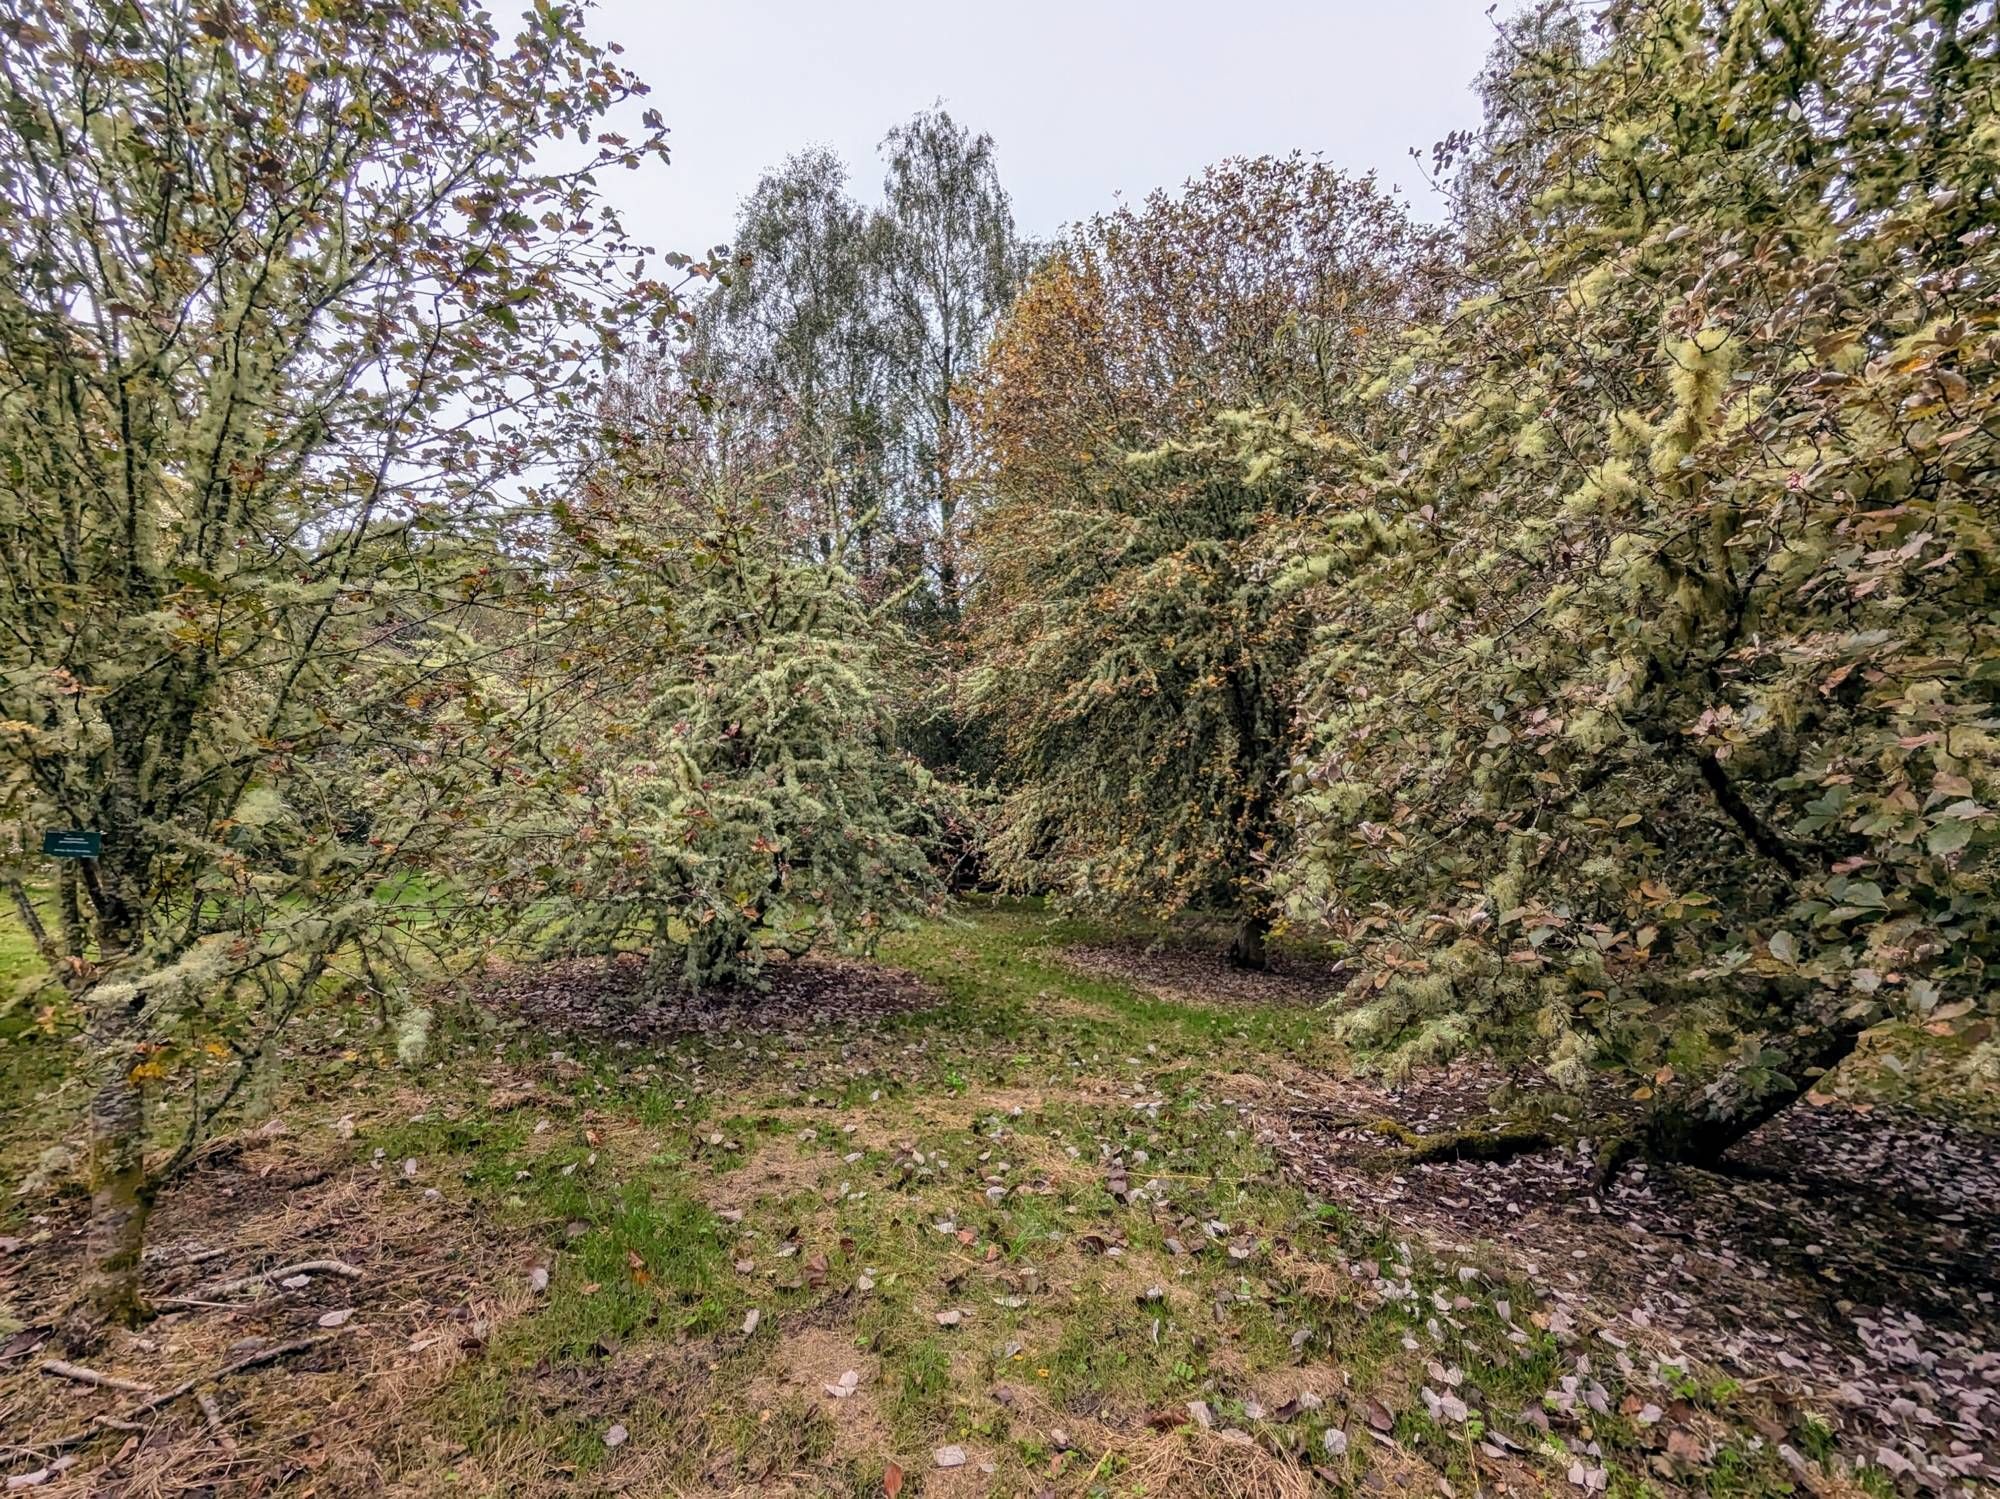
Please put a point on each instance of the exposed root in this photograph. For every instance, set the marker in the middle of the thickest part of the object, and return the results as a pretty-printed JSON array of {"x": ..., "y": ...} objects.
[{"x": 1475, "y": 1144}]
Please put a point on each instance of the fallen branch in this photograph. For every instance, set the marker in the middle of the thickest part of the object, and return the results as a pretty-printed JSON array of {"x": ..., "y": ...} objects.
[
  {"x": 303, "y": 1267},
  {"x": 249, "y": 1361},
  {"x": 1489, "y": 1145},
  {"x": 1479, "y": 1145},
  {"x": 81, "y": 1375},
  {"x": 127, "y": 1422}
]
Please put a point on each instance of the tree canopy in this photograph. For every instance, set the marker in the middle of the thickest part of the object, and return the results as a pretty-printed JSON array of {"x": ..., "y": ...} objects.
[
  {"x": 279, "y": 285},
  {"x": 1582, "y": 616},
  {"x": 1656, "y": 672},
  {"x": 1161, "y": 410}
]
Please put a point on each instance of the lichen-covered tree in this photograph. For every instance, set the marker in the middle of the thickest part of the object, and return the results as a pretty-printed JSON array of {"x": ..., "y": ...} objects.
[
  {"x": 1165, "y": 403},
  {"x": 1655, "y": 700},
  {"x": 283, "y": 290},
  {"x": 722, "y": 785}
]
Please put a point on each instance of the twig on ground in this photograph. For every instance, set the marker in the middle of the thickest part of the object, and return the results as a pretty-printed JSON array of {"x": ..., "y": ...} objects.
[
  {"x": 213, "y": 1306},
  {"x": 248, "y": 1361},
  {"x": 303, "y": 1267},
  {"x": 212, "y": 1414},
  {"x": 81, "y": 1375},
  {"x": 127, "y": 1421}
]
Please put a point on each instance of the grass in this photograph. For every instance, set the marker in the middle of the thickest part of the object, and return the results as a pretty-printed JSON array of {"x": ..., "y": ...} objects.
[{"x": 850, "y": 1186}]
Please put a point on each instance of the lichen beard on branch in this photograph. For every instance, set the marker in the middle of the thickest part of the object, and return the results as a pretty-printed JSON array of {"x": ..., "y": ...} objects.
[
  {"x": 1651, "y": 696},
  {"x": 247, "y": 257}
]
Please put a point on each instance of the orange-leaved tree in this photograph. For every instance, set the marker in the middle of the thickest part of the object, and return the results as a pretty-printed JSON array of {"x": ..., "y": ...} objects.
[{"x": 1168, "y": 396}]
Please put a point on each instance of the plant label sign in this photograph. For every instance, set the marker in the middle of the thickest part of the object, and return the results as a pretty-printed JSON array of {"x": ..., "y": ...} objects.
[{"x": 73, "y": 844}]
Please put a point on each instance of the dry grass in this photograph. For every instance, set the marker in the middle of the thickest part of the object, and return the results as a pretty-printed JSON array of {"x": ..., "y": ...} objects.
[
  {"x": 436, "y": 1283},
  {"x": 1224, "y": 1465}
]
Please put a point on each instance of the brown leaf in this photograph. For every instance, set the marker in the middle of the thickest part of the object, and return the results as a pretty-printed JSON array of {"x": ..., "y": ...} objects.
[{"x": 892, "y": 1481}]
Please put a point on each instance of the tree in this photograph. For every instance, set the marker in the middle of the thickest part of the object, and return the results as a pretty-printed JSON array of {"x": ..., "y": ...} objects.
[
  {"x": 796, "y": 345},
  {"x": 286, "y": 294},
  {"x": 1162, "y": 408},
  {"x": 1138, "y": 668},
  {"x": 950, "y": 263},
  {"x": 723, "y": 783},
  {"x": 1657, "y": 692}
]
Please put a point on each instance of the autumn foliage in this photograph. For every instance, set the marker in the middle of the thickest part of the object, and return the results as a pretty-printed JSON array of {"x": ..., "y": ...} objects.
[{"x": 1159, "y": 410}]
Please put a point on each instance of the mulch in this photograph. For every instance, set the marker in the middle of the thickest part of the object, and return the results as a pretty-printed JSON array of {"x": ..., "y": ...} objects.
[
  {"x": 603, "y": 996},
  {"x": 434, "y": 1282},
  {"x": 1850, "y": 1256},
  {"x": 1190, "y": 973}
]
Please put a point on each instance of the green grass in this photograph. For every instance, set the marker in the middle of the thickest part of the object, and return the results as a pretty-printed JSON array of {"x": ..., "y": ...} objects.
[{"x": 611, "y": 1177}]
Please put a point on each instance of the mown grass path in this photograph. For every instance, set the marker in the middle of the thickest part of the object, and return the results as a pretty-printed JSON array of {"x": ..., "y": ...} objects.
[{"x": 1011, "y": 1231}]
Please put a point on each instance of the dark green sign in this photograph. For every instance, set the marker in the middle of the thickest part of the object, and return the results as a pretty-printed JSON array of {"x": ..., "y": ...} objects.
[{"x": 75, "y": 844}]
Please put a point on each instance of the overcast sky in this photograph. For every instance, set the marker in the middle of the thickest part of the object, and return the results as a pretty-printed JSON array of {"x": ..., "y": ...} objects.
[{"x": 1086, "y": 100}]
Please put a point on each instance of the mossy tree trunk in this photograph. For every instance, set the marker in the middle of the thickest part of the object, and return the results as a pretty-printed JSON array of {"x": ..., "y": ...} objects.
[
  {"x": 121, "y": 1193},
  {"x": 1698, "y": 1128}
]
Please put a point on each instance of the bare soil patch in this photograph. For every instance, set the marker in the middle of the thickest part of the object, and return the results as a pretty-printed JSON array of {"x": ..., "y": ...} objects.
[
  {"x": 1849, "y": 1259},
  {"x": 806, "y": 1368}
]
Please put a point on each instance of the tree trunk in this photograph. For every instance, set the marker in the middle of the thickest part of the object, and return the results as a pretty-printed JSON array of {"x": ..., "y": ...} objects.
[
  {"x": 1246, "y": 949},
  {"x": 121, "y": 1196},
  {"x": 1698, "y": 1129},
  {"x": 666, "y": 971}
]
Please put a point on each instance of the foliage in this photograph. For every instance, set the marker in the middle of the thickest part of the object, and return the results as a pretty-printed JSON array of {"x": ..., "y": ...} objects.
[
  {"x": 845, "y": 335},
  {"x": 1137, "y": 667},
  {"x": 1655, "y": 685},
  {"x": 950, "y": 266},
  {"x": 283, "y": 290},
  {"x": 794, "y": 348},
  {"x": 1158, "y": 410},
  {"x": 723, "y": 782}
]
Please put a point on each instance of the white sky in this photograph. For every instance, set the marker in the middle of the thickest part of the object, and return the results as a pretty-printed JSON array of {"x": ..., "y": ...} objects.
[{"x": 1085, "y": 100}]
